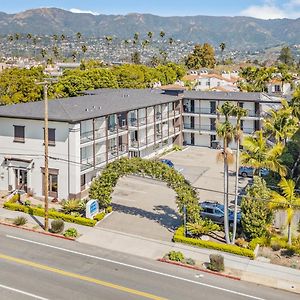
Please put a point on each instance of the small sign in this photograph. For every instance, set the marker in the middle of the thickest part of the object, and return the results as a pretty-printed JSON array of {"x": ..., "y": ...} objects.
[{"x": 91, "y": 208}]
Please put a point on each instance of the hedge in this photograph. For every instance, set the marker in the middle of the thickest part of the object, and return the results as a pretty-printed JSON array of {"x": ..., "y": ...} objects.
[
  {"x": 180, "y": 238},
  {"x": 51, "y": 213}
]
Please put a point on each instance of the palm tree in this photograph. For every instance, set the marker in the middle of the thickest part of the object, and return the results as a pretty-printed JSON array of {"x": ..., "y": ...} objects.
[
  {"x": 288, "y": 201},
  {"x": 162, "y": 34},
  {"x": 171, "y": 41},
  {"x": 282, "y": 125},
  {"x": 258, "y": 154},
  {"x": 239, "y": 112},
  {"x": 226, "y": 132},
  {"x": 74, "y": 55},
  {"x": 84, "y": 49},
  {"x": 78, "y": 35},
  {"x": 145, "y": 43},
  {"x": 150, "y": 35},
  {"x": 109, "y": 39},
  {"x": 136, "y": 37},
  {"x": 43, "y": 53},
  {"x": 55, "y": 52},
  {"x": 222, "y": 47},
  {"x": 295, "y": 103}
]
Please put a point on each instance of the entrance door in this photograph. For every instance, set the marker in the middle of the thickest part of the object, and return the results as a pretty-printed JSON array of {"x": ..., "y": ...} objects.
[{"x": 21, "y": 179}]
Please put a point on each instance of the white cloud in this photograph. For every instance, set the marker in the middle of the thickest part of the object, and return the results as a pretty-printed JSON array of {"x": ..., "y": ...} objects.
[
  {"x": 80, "y": 11},
  {"x": 270, "y": 10}
]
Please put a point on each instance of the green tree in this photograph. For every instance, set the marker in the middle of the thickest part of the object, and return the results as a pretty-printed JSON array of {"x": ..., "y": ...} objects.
[
  {"x": 286, "y": 56},
  {"x": 288, "y": 201},
  {"x": 256, "y": 215},
  {"x": 162, "y": 34},
  {"x": 239, "y": 113},
  {"x": 225, "y": 131},
  {"x": 222, "y": 48},
  {"x": 203, "y": 56},
  {"x": 136, "y": 58},
  {"x": 150, "y": 35},
  {"x": 258, "y": 154}
]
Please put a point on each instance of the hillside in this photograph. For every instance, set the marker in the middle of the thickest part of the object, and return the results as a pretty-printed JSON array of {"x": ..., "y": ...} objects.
[{"x": 236, "y": 32}]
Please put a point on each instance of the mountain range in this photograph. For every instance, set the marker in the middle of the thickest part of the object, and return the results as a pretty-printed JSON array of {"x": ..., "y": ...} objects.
[{"x": 236, "y": 32}]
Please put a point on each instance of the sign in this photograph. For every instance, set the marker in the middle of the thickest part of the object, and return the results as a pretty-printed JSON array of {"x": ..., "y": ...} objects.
[{"x": 91, "y": 208}]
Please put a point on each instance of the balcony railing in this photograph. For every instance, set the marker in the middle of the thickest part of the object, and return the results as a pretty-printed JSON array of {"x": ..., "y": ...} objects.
[
  {"x": 197, "y": 110},
  {"x": 212, "y": 128}
]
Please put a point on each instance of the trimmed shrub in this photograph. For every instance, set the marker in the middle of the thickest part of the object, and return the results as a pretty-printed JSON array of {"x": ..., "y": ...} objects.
[
  {"x": 108, "y": 209},
  {"x": 189, "y": 261},
  {"x": 262, "y": 241},
  {"x": 57, "y": 226},
  {"x": 52, "y": 214},
  {"x": 180, "y": 238},
  {"x": 71, "y": 232},
  {"x": 19, "y": 221},
  {"x": 27, "y": 202},
  {"x": 15, "y": 198},
  {"x": 216, "y": 262},
  {"x": 72, "y": 205},
  {"x": 176, "y": 256},
  {"x": 98, "y": 217}
]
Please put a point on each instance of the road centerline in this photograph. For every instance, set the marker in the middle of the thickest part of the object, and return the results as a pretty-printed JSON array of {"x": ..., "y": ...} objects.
[
  {"x": 80, "y": 277},
  {"x": 136, "y": 267}
]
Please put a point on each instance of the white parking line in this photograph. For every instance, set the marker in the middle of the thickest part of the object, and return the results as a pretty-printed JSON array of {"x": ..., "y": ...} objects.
[
  {"x": 136, "y": 267},
  {"x": 22, "y": 292}
]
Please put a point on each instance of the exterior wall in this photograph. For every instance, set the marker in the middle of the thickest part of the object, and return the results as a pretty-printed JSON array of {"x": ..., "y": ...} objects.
[{"x": 33, "y": 149}]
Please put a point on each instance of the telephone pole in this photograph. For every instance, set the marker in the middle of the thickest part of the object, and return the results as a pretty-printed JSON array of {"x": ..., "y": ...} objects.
[{"x": 46, "y": 143}]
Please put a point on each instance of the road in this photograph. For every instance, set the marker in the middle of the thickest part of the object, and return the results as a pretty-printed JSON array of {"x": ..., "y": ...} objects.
[{"x": 35, "y": 266}]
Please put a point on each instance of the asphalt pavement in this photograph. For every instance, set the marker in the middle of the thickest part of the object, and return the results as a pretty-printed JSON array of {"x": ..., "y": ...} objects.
[{"x": 35, "y": 266}]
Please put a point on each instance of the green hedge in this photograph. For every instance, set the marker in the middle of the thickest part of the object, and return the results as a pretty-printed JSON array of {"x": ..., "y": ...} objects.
[
  {"x": 98, "y": 217},
  {"x": 52, "y": 214},
  {"x": 180, "y": 238}
]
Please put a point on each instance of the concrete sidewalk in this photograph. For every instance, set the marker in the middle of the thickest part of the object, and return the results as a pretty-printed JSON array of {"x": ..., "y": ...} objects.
[{"x": 248, "y": 270}]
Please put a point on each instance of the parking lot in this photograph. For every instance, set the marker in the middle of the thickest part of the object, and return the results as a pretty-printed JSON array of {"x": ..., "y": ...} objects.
[{"x": 147, "y": 207}]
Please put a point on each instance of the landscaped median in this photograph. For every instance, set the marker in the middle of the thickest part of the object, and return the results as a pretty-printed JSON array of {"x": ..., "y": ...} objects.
[
  {"x": 180, "y": 238},
  {"x": 35, "y": 211}
]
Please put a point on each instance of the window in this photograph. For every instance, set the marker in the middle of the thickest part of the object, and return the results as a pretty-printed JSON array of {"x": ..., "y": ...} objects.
[
  {"x": 208, "y": 210},
  {"x": 82, "y": 181},
  {"x": 52, "y": 181},
  {"x": 19, "y": 134},
  {"x": 277, "y": 88},
  {"x": 51, "y": 136}
]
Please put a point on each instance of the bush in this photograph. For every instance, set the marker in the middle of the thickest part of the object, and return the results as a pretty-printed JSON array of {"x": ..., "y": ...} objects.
[
  {"x": 15, "y": 198},
  {"x": 98, "y": 217},
  {"x": 202, "y": 227},
  {"x": 278, "y": 243},
  {"x": 57, "y": 226},
  {"x": 216, "y": 262},
  {"x": 19, "y": 221},
  {"x": 180, "y": 238},
  {"x": 189, "y": 261},
  {"x": 71, "y": 233},
  {"x": 52, "y": 214},
  {"x": 241, "y": 243},
  {"x": 262, "y": 241},
  {"x": 72, "y": 205},
  {"x": 176, "y": 256},
  {"x": 27, "y": 202},
  {"x": 108, "y": 209}
]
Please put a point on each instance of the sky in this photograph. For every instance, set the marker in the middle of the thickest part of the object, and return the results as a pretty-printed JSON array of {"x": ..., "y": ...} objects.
[{"x": 263, "y": 9}]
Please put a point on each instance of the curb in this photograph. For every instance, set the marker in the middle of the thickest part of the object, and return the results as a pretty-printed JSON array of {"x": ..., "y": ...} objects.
[
  {"x": 197, "y": 269},
  {"x": 36, "y": 231}
]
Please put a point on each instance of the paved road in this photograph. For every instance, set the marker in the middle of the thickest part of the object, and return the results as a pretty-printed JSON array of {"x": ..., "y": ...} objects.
[{"x": 34, "y": 266}]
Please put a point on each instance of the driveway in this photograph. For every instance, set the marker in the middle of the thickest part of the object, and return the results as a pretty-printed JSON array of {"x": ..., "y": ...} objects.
[
  {"x": 143, "y": 207},
  {"x": 147, "y": 207}
]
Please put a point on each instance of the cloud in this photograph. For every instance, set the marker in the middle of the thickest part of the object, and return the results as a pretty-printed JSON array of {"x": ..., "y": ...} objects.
[
  {"x": 80, "y": 11},
  {"x": 269, "y": 9}
]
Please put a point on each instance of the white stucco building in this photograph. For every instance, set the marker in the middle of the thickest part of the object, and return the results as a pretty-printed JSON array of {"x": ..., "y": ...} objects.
[{"x": 87, "y": 132}]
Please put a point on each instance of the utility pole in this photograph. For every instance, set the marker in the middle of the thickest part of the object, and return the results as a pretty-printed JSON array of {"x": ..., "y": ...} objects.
[{"x": 46, "y": 143}]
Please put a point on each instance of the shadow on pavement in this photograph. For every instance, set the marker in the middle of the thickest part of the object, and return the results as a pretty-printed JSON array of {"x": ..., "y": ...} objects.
[{"x": 165, "y": 216}]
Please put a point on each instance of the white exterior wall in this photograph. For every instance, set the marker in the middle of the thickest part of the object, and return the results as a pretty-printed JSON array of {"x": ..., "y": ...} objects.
[{"x": 34, "y": 137}]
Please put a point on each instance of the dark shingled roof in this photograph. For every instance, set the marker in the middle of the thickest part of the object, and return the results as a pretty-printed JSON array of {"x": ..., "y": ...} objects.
[
  {"x": 103, "y": 102},
  {"x": 94, "y": 104}
]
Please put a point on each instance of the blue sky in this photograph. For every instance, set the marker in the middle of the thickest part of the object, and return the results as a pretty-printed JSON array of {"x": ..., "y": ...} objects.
[{"x": 263, "y": 9}]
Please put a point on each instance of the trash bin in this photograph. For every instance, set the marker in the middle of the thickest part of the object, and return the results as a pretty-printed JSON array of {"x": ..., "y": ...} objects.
[{"x": 215, "y": 144}]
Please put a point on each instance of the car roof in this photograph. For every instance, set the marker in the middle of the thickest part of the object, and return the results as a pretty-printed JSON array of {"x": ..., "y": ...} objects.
[{"x": 211, "y": 204}]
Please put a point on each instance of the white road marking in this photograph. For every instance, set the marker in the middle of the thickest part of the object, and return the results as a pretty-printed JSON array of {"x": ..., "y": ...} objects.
[
  {"x": 22, "y": 292},
  {"x": 136, "y": 267}
]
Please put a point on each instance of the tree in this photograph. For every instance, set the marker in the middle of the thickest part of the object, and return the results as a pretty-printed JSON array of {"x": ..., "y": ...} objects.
[
  {"x": 150, "y": 35},
  {"x": 109, "y": 39},
  {"x": 136, "y": 37},
  {"x": 78, "y": 35},
  {"x": 84, "y": 49},
  {"x": 43, "y": 53},
  {"x": 162, "y": 34},
  {"x": 226, "y": 132},
  {"x": 288, "y": 201},
  {"x": 171, "y": 41},
  {"x": 286, "y": 56},
  {"x": 258, "y": 154},
  {"x": 145, "y": 43},
  {"x": 222, "y": 47},
  {"x": 201, "y": 57},
  {"x": 136, "y": 58},
  {"x": 256, "y": 214},
  {"x": 239, "y": 113},
  {"x": 295, "y": 103},
  {"x": 282, "y": 125},
  {"x": 74, "y": 56}
]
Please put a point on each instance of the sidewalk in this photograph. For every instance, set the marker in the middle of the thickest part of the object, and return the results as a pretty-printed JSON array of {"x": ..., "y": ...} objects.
[{"x": 249, "y": 270}]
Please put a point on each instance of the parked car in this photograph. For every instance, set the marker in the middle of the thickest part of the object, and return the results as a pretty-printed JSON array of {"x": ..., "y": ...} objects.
[
  {"x": 248, "y": 171},
  {"x": 167, "y": 162},
  {"x": 215, "y": 212}
]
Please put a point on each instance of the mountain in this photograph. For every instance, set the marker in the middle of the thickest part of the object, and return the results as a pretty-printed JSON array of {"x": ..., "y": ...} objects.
[{"x": 236, "y": 32}]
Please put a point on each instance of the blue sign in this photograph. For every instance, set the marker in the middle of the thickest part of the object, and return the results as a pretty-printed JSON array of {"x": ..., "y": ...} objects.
[{"x": 91, "y": 208}]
